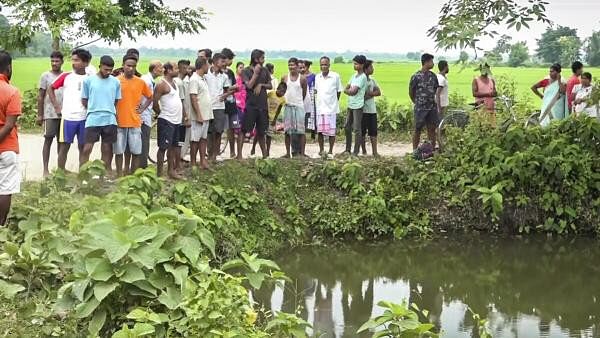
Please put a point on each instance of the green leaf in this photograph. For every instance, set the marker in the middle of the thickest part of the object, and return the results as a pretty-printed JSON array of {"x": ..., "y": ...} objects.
[
  {"x": 233, "y": 264},
  {"x": 256, "y": 279},
  {"x": 101, "y": 290},
  {"x": 144, "y": 285},
  {"x": 9, "y": 290},
  {"x": 171, "y": 298},
  {"x": 142, "y": 329},
  {"x": 207, "y": 239},
  {"x": 11, "y": 248},
  {"x": 141, "y": 233},
  {"x": 190, "y": 247},
  {"x": 97, "y": 322},
  {"x": 180, "y": 274},
  {"x": 159, "y": 279},
  {"x": 99, "y": 268},
  {"x": 133, "y": 273},
  {"x": 79, "y": 287},
  {"x": 85, "y": 309}
]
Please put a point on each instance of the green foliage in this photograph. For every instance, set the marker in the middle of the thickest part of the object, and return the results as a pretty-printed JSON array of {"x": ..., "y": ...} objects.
[
  {"x": 592, "y": 49},
  {"x": 338, "y": 60},
  {"x": 286, "y": 325},
  {"x": 462, "y": 23},
  {"x": 105, "y": 19},
  {"x": 393, "y": 117},
  {"x": 399, "y": 321},
  {"x": 558, "y": 44},
  {"x": 519, "y": 54},
  {"x": 28, "y": 117}
]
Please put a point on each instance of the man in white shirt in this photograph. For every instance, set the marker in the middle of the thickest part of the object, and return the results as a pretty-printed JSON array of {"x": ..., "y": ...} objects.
[
  {"x": 216, "y": 80},
  {"x": 442, "y": 99},
  {"x": 582, "y": 94},
  {"x": 154, "y": 71},
  {"x": 328, "y": 88}
]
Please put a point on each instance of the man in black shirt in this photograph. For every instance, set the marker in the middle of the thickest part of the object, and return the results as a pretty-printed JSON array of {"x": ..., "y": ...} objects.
[{"x": 257, "y": 80}]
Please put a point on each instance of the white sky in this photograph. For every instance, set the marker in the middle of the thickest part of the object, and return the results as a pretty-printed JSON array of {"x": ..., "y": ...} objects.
[{"x": 397, "y": 26}]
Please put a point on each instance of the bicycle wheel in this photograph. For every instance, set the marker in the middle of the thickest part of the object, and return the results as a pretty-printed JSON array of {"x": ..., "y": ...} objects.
[
  {"x": 224, "y": 143},
  {"x": 533, "y": 120},
  {"x": 456, "y": 119},
  {"x": 152, "y": 156}
]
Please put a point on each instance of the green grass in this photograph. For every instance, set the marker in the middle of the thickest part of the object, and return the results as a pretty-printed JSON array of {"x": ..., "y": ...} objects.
[{"x": 392, "y": 77}]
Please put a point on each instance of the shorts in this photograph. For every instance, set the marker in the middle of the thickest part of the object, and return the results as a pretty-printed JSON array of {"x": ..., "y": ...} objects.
[
  {"x": 294, "y": 120},
  {"x": 10, "y": 176},
  {"x": 326, "y": 124},
  {"x": 219, "y": 122},
  {"x": 131, "y": 137},
  {"x": 51, "y": 128},
  {"x": 199, "y": 131},
  {"x": 70, "y": 129},
  {"x": 234, "y": 121},
  {"x": 167, "y": 134},
  {"x": 181, "y": 133},
  {"x": 426, "y": 117},
  {"x": 255, "y": 118},
  {"x": 369, "y": 125},
  {"x": 108, "y": 133}
]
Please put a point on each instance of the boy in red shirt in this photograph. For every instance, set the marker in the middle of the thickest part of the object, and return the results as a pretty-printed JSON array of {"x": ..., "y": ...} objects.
[{"x": 10, "y": 109}]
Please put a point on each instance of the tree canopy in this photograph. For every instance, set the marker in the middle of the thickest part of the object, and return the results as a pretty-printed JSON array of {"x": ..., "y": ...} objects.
[
  {"x": 103, "y": 19},
  {"x": 592, "y": 49},
  {"x": 560, "y": 44},
  {"x": 462, "y": 23},
  {"x": 519, "y": 54}
]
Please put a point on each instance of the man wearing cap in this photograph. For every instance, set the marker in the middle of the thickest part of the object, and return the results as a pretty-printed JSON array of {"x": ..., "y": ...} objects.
[{"x": 356, "y": 101}]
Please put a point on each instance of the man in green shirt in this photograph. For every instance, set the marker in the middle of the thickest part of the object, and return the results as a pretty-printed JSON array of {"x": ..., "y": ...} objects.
[{"x": 356, "y": 101}]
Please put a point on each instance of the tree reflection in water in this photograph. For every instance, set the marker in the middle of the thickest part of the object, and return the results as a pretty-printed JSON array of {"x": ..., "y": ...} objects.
[{"x": 527, "y": 287}]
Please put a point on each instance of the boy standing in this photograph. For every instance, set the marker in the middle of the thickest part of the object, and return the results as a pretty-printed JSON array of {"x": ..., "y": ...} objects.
[
  {"x": 356, "y": 91},
  {"x": 99, "y": 96},
  {"x": 369, "y": 121},
  {"x": 442, "y": 98},
  {"x": 201, "y": 113},
  {"x": 70, "y": 108},
  {"x": 129, "y": 121},
  {"x": 46, "y": 113}
]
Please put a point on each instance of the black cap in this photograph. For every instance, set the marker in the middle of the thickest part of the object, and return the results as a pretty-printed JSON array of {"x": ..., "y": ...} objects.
[{"x": 360, "y": 59}]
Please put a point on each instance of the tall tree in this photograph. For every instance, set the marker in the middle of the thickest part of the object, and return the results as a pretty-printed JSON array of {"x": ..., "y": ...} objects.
[
  {"x": 519, "y": 54},
  {"x": 462, "y": 23},
  {"x": 559, "y": 45},
  {"x": 592, "y": 49},
  {"x": 103, "y": 19},
  {"x": 503, "y": 46}
]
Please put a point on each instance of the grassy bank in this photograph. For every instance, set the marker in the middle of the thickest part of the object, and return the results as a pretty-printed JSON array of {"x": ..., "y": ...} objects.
[{"x": 81, "y": 253}]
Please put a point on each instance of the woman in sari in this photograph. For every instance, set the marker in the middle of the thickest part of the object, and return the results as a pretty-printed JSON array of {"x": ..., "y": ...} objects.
[{"x": 554, "y": 100}]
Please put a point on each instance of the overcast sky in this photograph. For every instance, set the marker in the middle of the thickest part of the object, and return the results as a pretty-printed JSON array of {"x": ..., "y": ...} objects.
[{"x": 337, "y": 25}]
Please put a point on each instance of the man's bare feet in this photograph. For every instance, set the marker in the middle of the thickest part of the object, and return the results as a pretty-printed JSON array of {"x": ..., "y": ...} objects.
[{"x": 175, "y": 176}]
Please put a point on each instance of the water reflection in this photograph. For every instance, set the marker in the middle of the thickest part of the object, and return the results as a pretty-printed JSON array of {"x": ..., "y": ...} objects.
[{"x": 527, "y": 288}]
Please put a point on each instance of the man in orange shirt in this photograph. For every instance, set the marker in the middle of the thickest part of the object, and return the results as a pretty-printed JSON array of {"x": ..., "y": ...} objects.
[
  {"x": 129, "y": 132},
  {"x": 10, "y": 109}
]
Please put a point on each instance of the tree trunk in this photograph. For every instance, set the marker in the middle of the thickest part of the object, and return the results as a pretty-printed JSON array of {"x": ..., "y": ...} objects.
[{"x": 56, "y": 43}]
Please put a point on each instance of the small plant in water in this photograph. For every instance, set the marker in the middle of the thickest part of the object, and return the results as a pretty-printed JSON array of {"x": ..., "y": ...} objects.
[{"x": 399, "y": 321}]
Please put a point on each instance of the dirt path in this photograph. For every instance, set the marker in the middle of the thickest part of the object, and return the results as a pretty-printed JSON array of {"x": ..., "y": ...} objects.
[{"x": 32, "y": 168}]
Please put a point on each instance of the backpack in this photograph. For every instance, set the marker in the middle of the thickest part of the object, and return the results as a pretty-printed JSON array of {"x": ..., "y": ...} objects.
[{"x": 423, "y": 152}]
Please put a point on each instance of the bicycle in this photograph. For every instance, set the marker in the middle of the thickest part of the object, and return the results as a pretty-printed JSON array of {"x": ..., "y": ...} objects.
[
  {"x": 222, "y": 148},
  {"x": 460, "y": 118}
]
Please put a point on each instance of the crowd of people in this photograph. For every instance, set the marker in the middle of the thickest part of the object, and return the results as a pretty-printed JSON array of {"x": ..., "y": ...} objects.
[{"x": 194, "y": 104}]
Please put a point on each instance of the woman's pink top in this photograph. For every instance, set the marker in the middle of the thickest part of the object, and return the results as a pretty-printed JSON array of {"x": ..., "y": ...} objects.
[
  {"x": 486, "y": 88},
  {"x": 240, "y": 95}
]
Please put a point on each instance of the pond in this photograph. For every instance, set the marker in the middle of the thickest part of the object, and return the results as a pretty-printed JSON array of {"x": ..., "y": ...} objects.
[{"x": 533, "y": 287}]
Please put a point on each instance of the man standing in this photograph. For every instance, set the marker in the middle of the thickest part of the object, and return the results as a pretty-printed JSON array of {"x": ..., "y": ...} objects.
[
  {"x": 575, "y": 79},
  {"x": 442, "y": 98},
  {"x": 294, "y": 117},
  {"x": 168, "y": 105},
  {"x": 182, "y": 81},
  {"x": 201, "y": 113},
  {"x": 99, "y": 96},
  {"x": 129, "y": 133},
  {"x": 231, "y": 111},
  {"x": 422, "y": 90},
  {"x": 356, "y": 91},
  {"x": 46, "y": 113},
  {"x": 369, "y": 122},
  {"x": 155, "y": 70},
  {"x": 10, "y": 109},
  {"x": 328, "y": 88},
  {"x": 309, "y": 100},
  {"x": 216, "y": 83},
  {"x": 71, "y": 109},
  {"x": 257, "y": 80}
]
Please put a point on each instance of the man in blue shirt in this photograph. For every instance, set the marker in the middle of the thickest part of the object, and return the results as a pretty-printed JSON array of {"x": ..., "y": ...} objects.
[{"x": 99, "y": 96}]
